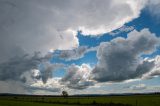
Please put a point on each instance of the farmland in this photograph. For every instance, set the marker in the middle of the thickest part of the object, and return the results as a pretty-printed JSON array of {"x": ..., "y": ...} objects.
[{"x": 130, "y": 100}]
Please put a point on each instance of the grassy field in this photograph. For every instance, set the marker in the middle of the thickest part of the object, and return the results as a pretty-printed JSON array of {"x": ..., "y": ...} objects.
[{"x": 134, "y": 100}]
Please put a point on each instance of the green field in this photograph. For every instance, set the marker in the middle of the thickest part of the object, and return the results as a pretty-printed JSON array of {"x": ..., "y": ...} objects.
[{"x": 134, "y": 100}]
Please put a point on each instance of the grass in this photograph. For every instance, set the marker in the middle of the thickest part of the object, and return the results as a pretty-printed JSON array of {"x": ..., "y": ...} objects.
[{"x": 134, "y": 100}]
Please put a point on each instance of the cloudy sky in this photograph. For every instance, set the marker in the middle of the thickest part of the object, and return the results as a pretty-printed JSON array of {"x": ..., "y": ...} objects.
[{"x": 83, "y": 47}]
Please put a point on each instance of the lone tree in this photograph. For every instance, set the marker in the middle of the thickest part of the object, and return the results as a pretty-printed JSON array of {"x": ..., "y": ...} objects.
[{"x": 64, "y": 94}]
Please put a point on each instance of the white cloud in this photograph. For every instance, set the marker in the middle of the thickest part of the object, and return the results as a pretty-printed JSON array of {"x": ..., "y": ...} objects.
[
  {"x": 156, "y": 69},
  {"x": 138, "y": 87},
  {"x": 43, "y": 26},
  {"x": 77, "y": 77},
  {"x": 120, "y": 59},
  {"x": 110, "y": 15},
  {"x": 51, "y": 85}
]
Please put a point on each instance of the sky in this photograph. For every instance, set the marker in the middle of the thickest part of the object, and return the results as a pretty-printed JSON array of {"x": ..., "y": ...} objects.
[{"x": 83, "y": 47}]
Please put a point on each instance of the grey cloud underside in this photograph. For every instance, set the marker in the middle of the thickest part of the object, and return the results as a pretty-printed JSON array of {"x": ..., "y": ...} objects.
[
  {"x": 23, "y": 71},
  {"x": 155, "y": 71},
  {"x": 19, "y": 68},
  {"x": 76, "y": 53},
  {"x": 73, "y": 54},
  {"x": 15, "y": 67},
  {"x": 48, "y": 68},
  {"x": 120, "y": 59},
  {"x": 81, "y": 85},
  {"x": 30, "y": 25},
  {"x": 43, "y": 89},
  {"x": 17, "y": 87},
  {"x": 152, "y": 7}
]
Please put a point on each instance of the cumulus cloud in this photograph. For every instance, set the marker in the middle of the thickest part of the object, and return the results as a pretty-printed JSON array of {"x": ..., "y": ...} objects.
[
  {"x": 52, "y": 85},
  {"x": 156, "y": 69},
  {"x": 47, "y": 69},
  {"x": 28, "y": 68},
  {"x": 120, "y": 59},
  {"x": 42, "y": 26},
  {"x": 32, "y": 85},
  {"x": 28, "y": 73},
  {"x": 152, "y": 7},
  {"x": 77, "y": 77},
  {"x": 31, "y": 76}
]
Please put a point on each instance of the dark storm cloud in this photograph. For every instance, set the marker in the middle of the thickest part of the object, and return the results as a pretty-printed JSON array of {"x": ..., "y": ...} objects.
[{"x": 120, "y": 59}]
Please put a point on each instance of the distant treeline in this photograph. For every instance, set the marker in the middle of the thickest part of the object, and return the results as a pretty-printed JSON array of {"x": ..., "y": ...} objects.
[{"x": 82, "y": 95}]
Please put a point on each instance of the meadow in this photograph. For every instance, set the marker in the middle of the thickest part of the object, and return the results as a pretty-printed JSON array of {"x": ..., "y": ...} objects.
[{"x": 130, "y": 100}]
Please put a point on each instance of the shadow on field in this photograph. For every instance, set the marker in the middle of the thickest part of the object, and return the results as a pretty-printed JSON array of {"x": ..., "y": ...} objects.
[
  {"x": 108, "y": 104},
  {"x": 94, "y": 103}
]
